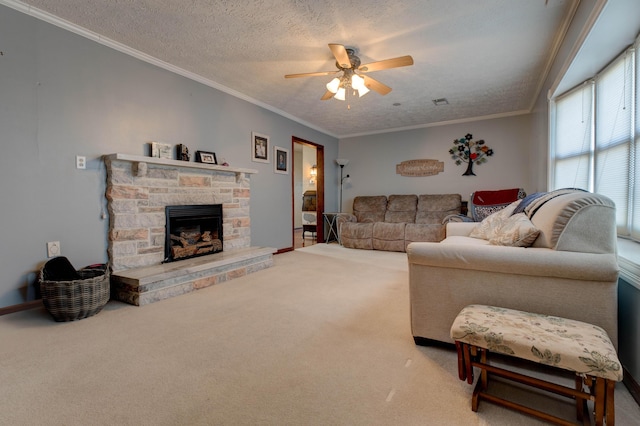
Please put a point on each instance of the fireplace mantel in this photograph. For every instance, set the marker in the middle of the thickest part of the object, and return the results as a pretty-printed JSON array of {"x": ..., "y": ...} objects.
[{"x": 139, "y": 159}]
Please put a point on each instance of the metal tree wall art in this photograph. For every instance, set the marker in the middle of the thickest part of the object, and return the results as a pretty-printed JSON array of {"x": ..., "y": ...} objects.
[{"x": 465, "y": 150}]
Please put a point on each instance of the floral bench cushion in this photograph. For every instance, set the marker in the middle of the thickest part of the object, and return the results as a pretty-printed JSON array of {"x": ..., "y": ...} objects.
[{"x": 559, "y": 342}]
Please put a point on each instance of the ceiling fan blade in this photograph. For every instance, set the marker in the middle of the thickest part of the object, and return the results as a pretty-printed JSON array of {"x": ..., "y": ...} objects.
[
  {"x": 401, "y": 61},
  {"x": 327, "y": 95},
  {"x": 375, "y": 85},
  {"x": 310, "y": 74},
  {"x": 341, "y": 55}
]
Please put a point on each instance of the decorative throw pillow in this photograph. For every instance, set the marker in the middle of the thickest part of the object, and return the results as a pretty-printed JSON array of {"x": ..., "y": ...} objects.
[
  {"x": 516, "y": 231},
  {"x": 491, "y": 224}
]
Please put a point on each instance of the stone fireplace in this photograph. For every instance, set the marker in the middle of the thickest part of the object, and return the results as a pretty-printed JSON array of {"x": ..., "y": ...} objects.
[{"x": 139, "y": 191}]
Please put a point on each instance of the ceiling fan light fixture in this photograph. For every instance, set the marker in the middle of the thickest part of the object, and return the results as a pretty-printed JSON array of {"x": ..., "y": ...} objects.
[
  {"x": 333, "y": 85},
  {"x": 357, "y": 82},
  {"x": 352, "y": 78}
]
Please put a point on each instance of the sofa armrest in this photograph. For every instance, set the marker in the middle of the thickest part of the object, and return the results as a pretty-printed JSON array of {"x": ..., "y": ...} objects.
[
  {"x": 539, "y": 262},
  {"x": 460, "y": 228}
]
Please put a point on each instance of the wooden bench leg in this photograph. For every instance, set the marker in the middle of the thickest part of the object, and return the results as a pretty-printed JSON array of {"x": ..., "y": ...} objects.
[
  {"x": 467, "y": 363},
  {"x": 580, "y": 402},
  {"x": 462, "y": 371},
  {"x": 610, "y": 409},
  {"x": 603, "y": 396},
  {"x": 484, "y": 378},
  {"x": 599, "y": 404},
  {"x": 482, "y": 384}
]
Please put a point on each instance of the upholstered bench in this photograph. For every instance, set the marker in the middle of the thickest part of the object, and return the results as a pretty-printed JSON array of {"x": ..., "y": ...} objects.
[{"x": 566, "y": 344}]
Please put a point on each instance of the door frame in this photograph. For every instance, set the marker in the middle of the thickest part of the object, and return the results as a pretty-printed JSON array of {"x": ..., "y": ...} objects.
[{"x": 319, "y": 189}]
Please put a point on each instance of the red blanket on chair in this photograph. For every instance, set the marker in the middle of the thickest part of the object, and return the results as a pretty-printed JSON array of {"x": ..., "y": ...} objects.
[{"x": 503, "y": 196}]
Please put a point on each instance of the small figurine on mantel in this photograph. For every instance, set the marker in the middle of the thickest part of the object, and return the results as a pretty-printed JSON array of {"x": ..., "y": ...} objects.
[{"x": 183, "y": 152}]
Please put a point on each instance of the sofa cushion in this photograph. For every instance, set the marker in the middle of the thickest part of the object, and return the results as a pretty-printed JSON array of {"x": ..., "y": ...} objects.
[
  {"x": 423, "y": 232},
  {"x": 388, "y": 236},
  {"x": 357, "y": 235},
  {"x": 433, "y": 208},
  {"x": 491, "y": 224},
  {"x": 401, "y": 208},
  {"x": 370, "y": 208},
  {"x": 460, "y": 239},
  {"x": 516, "y": 231}
]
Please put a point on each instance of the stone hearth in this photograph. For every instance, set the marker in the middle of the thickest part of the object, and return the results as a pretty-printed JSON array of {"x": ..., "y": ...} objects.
[
  {"x": 138, "y": 190},
  {"x": 140, "y": 286}
]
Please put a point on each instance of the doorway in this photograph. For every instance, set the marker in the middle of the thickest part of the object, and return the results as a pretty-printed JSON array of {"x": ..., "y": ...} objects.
[{"x": 308, "y": 193}]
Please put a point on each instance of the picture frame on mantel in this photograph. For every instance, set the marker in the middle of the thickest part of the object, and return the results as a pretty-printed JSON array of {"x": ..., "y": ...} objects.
[
  {"x": 259, "y": 148},
  {"x": 281, "y": 160},
  {"x": 160, "y": 150},
  {"x": 206, "y": 157}
]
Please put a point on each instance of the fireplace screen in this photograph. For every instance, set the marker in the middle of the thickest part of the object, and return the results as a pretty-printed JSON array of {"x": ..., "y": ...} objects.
[{"x": 193, "y": 231}]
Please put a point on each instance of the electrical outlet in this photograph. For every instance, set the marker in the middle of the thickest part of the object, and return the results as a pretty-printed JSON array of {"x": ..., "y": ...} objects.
[
  {"x": 53, "y": 248},
  {"x": 81, "y": 162}
]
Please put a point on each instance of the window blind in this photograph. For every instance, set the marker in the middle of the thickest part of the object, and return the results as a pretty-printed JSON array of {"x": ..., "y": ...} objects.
[
  {"x": 572, "y": 150},
  {"x": 613, "y": 135}
]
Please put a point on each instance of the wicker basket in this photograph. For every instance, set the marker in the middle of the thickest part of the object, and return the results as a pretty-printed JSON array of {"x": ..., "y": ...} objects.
[{"x": 69, "y": 300}]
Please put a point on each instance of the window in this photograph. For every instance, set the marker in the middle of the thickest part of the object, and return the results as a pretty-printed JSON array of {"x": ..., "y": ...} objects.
[{"x": 595, "y": 139}]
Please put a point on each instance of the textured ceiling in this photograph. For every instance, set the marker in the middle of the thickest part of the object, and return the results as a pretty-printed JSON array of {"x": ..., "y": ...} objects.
[{"x": 487, "y": 57}]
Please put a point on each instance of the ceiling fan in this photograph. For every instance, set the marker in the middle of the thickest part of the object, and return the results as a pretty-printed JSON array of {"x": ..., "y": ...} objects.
[{"x": 354, "y": 75}]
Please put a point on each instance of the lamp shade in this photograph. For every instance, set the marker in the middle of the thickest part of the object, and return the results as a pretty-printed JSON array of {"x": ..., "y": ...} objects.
[
  {"x": 357, "y": 82},
  {"x": 342, "y": 161},
  {"x": 333, "y": 85},
  {"x": 340, "y": 95},
  {"x": 363, "y": 91}
]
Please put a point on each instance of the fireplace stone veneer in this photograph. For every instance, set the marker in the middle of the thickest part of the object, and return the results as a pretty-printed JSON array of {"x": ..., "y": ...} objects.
[{"x": 138, "y": 190}]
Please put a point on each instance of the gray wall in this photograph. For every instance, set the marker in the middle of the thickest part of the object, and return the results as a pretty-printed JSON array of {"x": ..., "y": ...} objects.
[
  {"x": 373, "y": 159},
  {"x": 62, "y": 95}
]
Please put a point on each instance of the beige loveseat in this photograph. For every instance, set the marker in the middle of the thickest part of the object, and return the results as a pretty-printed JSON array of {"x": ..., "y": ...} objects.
[
  {"x": 570, "y": 269},
  {"x": 381, "y": 223}
]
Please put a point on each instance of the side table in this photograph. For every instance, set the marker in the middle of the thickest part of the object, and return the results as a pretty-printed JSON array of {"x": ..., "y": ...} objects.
[{"x": 332, "y": 229}]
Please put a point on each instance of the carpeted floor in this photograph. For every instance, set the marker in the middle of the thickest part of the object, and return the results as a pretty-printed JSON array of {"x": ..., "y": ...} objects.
[{"x": 322, "y": 338}]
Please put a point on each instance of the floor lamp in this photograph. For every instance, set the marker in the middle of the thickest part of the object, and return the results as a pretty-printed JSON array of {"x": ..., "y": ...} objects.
[{"x": 342, "y": 162}]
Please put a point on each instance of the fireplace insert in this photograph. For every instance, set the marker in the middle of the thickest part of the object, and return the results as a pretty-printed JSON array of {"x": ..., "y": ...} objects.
[{"x": 191, "y": 231}]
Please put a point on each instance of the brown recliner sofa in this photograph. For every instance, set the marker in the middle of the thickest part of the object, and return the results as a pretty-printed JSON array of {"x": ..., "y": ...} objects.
[{"x": 391, "y": 223}]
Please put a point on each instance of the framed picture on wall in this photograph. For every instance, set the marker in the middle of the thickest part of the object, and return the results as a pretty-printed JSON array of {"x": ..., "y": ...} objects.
[
  {"x": 259, "y": 147},
  {"x": 281, "y": 162}
]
